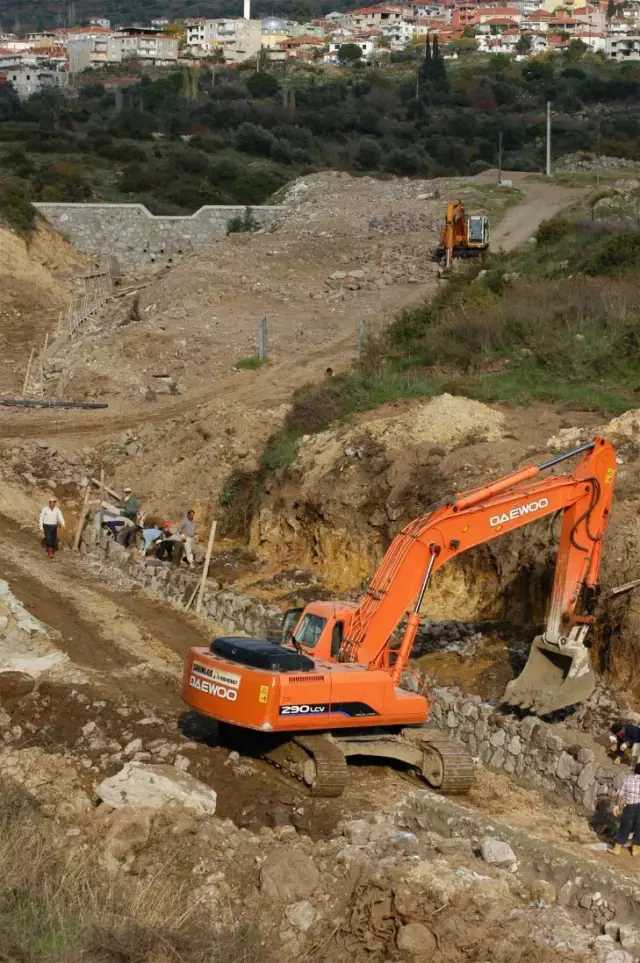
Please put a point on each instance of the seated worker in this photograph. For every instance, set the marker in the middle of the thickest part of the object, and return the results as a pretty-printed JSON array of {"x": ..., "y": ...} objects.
[
  {"x": 625, "y": 741},
  {"x": 166, "y": 543}
]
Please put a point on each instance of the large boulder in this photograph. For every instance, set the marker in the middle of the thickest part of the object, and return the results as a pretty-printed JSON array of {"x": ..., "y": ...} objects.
[
  {"x": 152, "y": 787},
  {"x": 496, "y": 851},
  {"x": 288, "y": 875}
]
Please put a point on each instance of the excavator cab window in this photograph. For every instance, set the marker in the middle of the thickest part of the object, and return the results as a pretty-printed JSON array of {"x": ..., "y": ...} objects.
[
  {"x": 289, "y": 621},
  {"x": 477, "y": 230},
  {"x": 336, "y": 638},
  {"x": 310, "y": 630}
]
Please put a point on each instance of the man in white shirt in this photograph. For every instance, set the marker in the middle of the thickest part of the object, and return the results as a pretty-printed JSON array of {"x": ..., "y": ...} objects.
[{"x": 50, "y": 518}]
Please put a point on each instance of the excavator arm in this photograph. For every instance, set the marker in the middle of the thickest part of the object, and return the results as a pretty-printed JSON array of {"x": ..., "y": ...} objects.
[{"x": 583, "y": 498}]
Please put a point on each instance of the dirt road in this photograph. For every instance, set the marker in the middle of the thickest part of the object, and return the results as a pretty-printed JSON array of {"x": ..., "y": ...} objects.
[{"x": 542, "y": 201}]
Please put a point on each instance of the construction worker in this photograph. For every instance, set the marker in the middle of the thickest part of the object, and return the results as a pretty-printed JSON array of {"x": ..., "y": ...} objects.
[
  {"x": 51, "y": 519},
  {"x": 628, "y": 808},
  {"x": 129, "y": 505},
  {"x": 187, "y": 533},
  {"x": 625, "y": 742}
]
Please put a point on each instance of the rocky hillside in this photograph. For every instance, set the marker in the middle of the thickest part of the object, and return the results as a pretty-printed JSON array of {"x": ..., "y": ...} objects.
[{"x": 335, "y": 509}]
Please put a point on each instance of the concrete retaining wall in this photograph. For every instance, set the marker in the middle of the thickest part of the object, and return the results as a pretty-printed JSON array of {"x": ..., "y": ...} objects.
[
  {"x": 531, "y": 751},
  {"x": 135, "y": 238}
]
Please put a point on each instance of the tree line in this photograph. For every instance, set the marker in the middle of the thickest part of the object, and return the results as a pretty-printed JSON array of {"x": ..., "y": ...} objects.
[{"x": 218, "y": 136}]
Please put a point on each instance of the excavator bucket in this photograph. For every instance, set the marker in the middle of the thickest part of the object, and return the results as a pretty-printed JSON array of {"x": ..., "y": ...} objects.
[{"x": 554, "y": 677}]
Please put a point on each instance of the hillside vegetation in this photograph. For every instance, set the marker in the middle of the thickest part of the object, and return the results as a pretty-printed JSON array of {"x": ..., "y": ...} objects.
[
  {"x": 187, "y": 139},
  {"x": 555, "y": 322}
]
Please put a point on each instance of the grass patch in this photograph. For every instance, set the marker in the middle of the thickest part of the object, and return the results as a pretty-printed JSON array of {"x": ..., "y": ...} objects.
[
  {"x": 250, "y": 364},
  {"x": 59, "y": 905}
]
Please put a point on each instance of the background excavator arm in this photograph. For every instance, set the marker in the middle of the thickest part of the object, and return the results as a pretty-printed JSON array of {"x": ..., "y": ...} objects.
[{"x": 398, "y": 586}]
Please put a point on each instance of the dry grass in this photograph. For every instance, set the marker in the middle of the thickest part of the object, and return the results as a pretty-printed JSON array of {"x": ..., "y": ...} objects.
[{"x": 58, "y": 904}]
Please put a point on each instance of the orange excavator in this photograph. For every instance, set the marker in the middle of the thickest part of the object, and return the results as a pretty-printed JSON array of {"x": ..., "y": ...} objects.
[
  {"x": 462, "y": 236},
  {"x": 333, "y": 689}
]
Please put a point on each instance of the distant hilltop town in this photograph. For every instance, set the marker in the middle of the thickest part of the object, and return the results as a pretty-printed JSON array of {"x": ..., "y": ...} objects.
[{"x": 522, "y": 29}]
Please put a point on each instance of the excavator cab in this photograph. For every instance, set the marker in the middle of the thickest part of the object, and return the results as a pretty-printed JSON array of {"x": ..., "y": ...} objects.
[{"x": 478, "y": 231}]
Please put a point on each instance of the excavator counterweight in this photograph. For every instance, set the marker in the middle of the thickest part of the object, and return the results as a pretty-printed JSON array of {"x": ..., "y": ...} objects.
[{"x": 334, "y": 688}]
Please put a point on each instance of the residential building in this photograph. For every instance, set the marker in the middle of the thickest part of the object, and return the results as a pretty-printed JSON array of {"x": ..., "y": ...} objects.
[
  {"x": 159, "y": 49},
  {"x": 373, "y": 16},
  {"x": 303, "y": 48},
  {"x": 237, "y": 37},
  {"x": 622, "y": 49},
  {"x": 29, "y": 79},
  {"x": 100, "y": 22},
  {"x": 367, "y": 47},
  {"x": 87, "y": 53}
]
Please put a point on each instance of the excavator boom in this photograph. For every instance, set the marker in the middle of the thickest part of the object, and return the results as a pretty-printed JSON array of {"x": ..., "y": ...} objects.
[{"x": 584, "y": 500}]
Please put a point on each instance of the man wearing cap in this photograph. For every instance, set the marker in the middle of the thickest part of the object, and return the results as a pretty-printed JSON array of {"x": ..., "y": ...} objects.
[
  {"x": 129, "y": 505},
  {"x": 50, "y": 518}
]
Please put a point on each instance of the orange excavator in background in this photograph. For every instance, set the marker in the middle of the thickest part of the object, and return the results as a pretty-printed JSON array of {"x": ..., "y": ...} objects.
[
  {"x": 462, "y": 236},
  {"x": 334, "y": 688}
]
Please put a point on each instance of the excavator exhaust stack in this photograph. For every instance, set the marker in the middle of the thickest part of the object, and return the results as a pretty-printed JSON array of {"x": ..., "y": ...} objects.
[{"x": 556, "y": 676}]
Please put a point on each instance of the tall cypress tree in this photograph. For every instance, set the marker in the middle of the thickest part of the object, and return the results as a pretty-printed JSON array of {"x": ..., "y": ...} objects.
[
  {"x": 439, "y": 72},
  {"x": 427, "y": 64}
]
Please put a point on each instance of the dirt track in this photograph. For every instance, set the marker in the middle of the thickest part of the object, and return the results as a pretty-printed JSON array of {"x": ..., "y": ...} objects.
[{"x": 542, "y": 202}]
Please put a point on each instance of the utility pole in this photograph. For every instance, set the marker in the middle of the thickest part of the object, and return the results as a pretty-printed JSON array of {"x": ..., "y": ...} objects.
[
  {"x": 548, "y": 138},
  {"x": 499, "y": 157},
  {"x": 598, "y": 155}
]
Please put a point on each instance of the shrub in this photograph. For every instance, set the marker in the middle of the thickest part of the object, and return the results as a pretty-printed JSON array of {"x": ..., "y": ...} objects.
[
  {"x": 554, "y": 230},
  {"x": 262, "y": 84},
  {"x": 121, "y": 151},
  {"x": 349, "y": 52},
  {"x": 252, "y": 139},
  {"x": 242, "y": 224},
  {"x": 368, "y": 155},
  {"x": 610, "y": 253},
  {"x": 16, "y": 211}
]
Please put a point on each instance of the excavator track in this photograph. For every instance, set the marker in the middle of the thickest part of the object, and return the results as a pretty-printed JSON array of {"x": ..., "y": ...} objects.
[
  {"x": 448, "y": 767},
  {"x": 315, "y": 760}
]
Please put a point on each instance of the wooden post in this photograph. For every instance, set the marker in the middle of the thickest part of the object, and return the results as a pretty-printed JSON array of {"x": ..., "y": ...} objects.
[
  {"x": 205, "y": 570},
  {"x": 83, "y": 515},
  {"x": 191, "y": 598},
  {"x": 28, "y": 374},
  {"x": 101, "y": 499}
]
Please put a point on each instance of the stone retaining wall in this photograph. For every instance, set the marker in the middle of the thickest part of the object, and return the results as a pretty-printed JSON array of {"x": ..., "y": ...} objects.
[
  {"x": 135, "y": 238},
  {"x": 529, "y": 750},
  {"x": 237, "y": 613}
]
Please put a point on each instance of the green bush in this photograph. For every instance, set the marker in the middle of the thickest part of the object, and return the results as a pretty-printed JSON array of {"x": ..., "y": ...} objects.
[
  {"x": 16, "y": 211},
  {"x": 554, "y": 230},
  {"x": 262, "y": 84},
  {"x": 245, "y": 223},
  {"x": 252, "y": 139}
]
